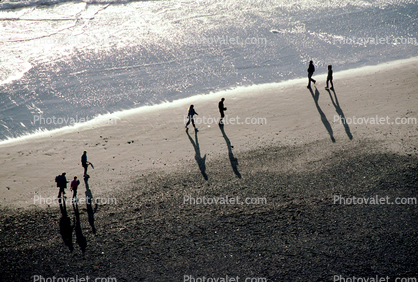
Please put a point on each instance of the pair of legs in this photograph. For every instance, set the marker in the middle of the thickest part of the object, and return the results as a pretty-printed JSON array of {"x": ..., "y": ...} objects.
[
  {"x": 330, "y": 80},
  {"x": 192, "y": 121},
  {"x": 85, "y": 165},
  {"x": 310, "y": 79},
  {"x": 74, "y": 195},
  {"x": 61, "y": 192}
]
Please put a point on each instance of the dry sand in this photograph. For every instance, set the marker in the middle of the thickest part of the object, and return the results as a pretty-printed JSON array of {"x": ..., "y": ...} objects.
[{"x": 298, "y": 159}]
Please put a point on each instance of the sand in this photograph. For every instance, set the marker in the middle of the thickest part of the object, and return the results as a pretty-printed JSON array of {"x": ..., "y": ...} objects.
[{"x": 297, "y": 157}]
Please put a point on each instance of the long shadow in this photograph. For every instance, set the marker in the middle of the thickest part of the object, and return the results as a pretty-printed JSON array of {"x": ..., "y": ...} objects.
[
  {"x": 200, "y": 161},
  {"x": 80, "y": 239},
  {"x": 321, "y": 113},
  {"x": 89, "y": 199},
  {"x": 340, "y": 113},
  {"x": 66, "y": 230},
  {"x": 232, "y": 159}
]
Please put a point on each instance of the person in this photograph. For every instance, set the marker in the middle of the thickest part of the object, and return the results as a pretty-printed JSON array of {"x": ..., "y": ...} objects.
[
  {"x": 329, "y": 77},
  {"x": 84, "y": 162},
  {"x": 221, "y": 109},
  {"x": 190, "y": 114},
  {"x": 74, "y": 186},
  {"x": 61, "y": 183},
  {"x": 311, "y": 70}
]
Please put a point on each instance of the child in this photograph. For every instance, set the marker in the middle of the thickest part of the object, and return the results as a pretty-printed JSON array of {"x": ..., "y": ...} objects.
[
  {"x": 74, "y": 186},
  {"x": 190, "y": 114},
  {"x": 329, "y": 77}
]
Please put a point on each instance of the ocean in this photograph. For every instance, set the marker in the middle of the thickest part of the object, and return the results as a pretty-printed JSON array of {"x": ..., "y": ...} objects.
[{"x": 64, "y": 62}]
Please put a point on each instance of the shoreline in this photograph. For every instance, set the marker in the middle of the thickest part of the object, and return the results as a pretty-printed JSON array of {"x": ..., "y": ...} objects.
[
  {"x": 154, "y": 139},
  {"x": 111, "y": 118},
  {"x": 291, "y": 168}
]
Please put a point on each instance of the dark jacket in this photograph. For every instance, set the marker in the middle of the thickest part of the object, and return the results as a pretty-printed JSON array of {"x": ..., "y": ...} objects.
[
  {"x": 83, "y": 159},
  {"x": 329, "y": 74},
  {"x": 192, "y": 112},
  {"x": 221, "y": 106},
  {"x": 311, "y": 68},
  {"x": 61, "y": 181}
]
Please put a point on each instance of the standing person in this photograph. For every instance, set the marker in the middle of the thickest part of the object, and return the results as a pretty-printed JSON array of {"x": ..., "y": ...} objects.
[
  {"x": 84, "y": 162},
  {"x": 190, "y": 114},
  {"x": 311, "y": 70},
  {"x": 61, "y": 183},
  {"x": 74, "y": 186},
  {"x": 329, "y": 77},
  {"x": 221, "y": 109}
]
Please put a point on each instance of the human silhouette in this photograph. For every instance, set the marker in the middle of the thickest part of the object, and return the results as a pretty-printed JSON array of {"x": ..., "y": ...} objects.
[
  {"x": 321, "y": 113},
  {"x": 329, "y": 77},
  {"x": 311, "y": 70},
  {"x": 66, "y": 230},
  {"x": 190, "y": 115},
  {"x": 80, "y": 239},
  {"x": 89, "y": 199},
  {"x": 340, "y": 113},
  {"x": 84, "y": 162},
  {"x": 232, "y": 159},
  {"x": 200, "y": 161},
  {"x": 221, "y": 110},
  {"x": 61, "y": 181},
  {"x": 74, "y": 185}
]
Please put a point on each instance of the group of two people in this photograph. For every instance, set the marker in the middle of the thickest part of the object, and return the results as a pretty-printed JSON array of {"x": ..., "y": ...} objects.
[
  {"x": 311, "y": 70},
  {"x": 192, "y": 112},
  {"x": 61, "y": 180}
]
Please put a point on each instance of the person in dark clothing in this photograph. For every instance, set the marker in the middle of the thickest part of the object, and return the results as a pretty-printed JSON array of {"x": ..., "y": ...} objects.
[
  {"x": 190, "y": 114},
  {"x": 311, "y": 70},
  {"x": 329, "y": 77},
  {"x": 61, "y": 183},
  {"x": 84, "y": 162},
  {"x": 221, "y": 109}
]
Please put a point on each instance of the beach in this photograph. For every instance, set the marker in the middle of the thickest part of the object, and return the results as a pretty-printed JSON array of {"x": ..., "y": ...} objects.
[{"x": 289, "y": 156}]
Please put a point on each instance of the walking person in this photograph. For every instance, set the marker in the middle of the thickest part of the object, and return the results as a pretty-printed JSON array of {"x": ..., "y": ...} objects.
[
  {"x": 221, "y": 110},
  {"x": 329, "y": 77},
  {"x": 311, "y": 70},
  {"x": 74, "y": 186},
  {"x": 190, "y": 114},
  {"x": 84, "y": 162},
  {"x": 61, "y": 184}
]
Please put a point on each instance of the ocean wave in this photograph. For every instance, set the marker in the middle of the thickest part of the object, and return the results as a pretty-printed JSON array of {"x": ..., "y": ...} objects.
[{"x": 90, "y": 57}]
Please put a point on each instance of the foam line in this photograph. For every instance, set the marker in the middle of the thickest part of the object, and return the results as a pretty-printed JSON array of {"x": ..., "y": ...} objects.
[{"x": 238, "y": 91}]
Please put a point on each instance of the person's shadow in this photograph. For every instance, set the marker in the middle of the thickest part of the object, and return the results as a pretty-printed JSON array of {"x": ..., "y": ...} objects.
[
  {"x": 89, "y": 199},
  {"x": 200, "y": 161},
  {"x": 66, "y": 230},
  {"x": 321, "y": 113},
  {"x": 340, "y": 113},
  {"x": 232, "y": 159},
  {"x": 80, "y": 239}
]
